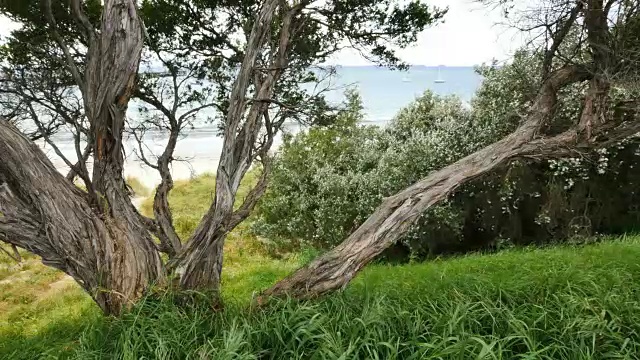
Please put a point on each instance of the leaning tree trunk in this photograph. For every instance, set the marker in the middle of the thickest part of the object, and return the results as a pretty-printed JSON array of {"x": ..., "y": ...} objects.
[{"x": 397, "y": 213}]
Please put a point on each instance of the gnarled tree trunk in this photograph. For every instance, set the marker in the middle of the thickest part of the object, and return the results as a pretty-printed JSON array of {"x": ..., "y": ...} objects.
[
  {"x": 199, "y": 265},
  {"x": 109, "y": 82},
  {"x": 98, "y": 238},
  {"x": 44, "y": 213},
  {"x": 397, "y": 213},
  {"x": 336, "y": 268}
]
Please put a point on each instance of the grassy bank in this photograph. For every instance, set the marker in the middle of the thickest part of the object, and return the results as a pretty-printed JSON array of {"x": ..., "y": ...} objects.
[{"x": 555, "y": 303}]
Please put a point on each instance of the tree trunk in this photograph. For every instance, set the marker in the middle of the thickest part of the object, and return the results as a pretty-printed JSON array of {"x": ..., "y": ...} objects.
[
  {"x": 199, "y": 264},
  {"x": 44, "y": 213},
  {"x": 98, "y": 238},
  {"x": 397, "y": 213},
  {"x": 110, "y": 79}
]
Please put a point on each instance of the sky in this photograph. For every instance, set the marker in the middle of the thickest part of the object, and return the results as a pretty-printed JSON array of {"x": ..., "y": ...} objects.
[{"x": 468, "y": 36}]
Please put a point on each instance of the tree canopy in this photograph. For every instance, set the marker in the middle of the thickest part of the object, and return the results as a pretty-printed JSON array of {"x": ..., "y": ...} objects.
[{"x": 76, "y": 67}]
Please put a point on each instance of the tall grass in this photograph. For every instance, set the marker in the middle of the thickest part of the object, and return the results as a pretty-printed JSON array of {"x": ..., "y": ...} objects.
[
  {"x": 560, "y": 303},
  {"x": 555, "y": 303},
  {"x": 138, "y": 188}
]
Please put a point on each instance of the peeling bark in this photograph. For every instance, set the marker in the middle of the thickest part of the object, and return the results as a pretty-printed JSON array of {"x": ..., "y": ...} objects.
[
  {"x": 100, "y": 239},
  {"x": 199, "y": 265},
  {"x": 47, "y": 215}
]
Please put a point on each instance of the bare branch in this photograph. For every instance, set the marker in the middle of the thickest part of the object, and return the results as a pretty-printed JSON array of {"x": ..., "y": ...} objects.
[
  {"x": 195, "y": 110},
  {"x": 83, "y": 157},
  {"x": 252, "y": 198},
  {"x": 73, "y": 68},
  {"x": 563, "y": 29},
  {"x": 88, "y": 29}
]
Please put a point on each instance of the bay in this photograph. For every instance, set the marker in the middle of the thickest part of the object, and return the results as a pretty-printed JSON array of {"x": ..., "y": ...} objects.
[{"x": 384, "y": 92}]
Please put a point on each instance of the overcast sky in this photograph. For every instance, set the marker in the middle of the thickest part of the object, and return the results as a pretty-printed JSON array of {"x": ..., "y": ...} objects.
[{"x": 468, "y": 36}]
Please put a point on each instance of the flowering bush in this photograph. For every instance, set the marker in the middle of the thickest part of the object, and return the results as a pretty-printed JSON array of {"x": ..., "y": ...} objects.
[{"x": 327, "y": 181}]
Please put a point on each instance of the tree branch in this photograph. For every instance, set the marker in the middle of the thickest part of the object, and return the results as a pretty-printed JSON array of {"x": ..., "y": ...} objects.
[
  {"x": 81, "y": 18},
  {"x": 73, "y": 68},
  {"x": 394, "y": 216},
  {"x": 252, "y": 198},
  {"x": 558, "y": 38}
]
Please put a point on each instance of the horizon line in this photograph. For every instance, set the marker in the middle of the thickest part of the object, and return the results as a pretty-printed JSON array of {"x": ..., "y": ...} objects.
[{"x": 410, "y": 65}]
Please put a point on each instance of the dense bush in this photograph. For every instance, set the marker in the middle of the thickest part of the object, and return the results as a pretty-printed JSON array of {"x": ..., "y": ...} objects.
[{"x": 327, "y": 181}]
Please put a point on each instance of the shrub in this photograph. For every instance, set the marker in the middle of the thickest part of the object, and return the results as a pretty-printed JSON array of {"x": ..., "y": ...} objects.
[{"x": 327, "y": 181}]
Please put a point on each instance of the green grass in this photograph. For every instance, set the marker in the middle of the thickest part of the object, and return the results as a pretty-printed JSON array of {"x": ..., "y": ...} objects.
[
  {"x": 557, "y": 303},
  {"x": 138, "y": 188},
  {"x": 554, "y": 303},
  {"x": 564, "y": 302},
  {"x": 41, "y": 309}
]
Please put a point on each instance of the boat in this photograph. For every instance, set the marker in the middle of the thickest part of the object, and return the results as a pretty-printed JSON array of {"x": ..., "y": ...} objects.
[
  {"x": 439, "y": 80},
  {"x": 406, "y": 79}
]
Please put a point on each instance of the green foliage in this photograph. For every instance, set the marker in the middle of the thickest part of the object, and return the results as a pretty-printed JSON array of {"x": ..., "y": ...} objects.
[
  {"x": 560, "y": 303},
  {"x": 318, "y": 173},
  {"x": 328, "y": 181}
]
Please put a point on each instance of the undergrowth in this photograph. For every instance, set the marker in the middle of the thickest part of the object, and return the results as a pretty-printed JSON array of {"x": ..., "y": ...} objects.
[
  {"x": 555, "y": 303},
  {"x": 566, "y": 302}
]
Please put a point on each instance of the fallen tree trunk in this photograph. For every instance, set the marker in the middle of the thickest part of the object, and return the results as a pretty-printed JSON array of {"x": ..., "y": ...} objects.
[{"x": 397, "y": 213}]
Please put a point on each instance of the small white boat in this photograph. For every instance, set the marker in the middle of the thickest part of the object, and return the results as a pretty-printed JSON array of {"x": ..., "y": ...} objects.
[
  {"x": 406, "y": 79},
  {"x": 439, "y": 80}
]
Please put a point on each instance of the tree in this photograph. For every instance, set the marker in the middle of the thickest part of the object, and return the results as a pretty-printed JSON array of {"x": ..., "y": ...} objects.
[
  {"x": 254, "y": 53},
  {"x": 601, "y": 68}
]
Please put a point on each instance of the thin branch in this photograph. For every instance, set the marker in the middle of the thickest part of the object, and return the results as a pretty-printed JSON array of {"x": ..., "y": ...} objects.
[
  {"x": 83, "y": 157},
  {"x": 558, "y": 38},
  {"x": 195, "y": 110},
  {"x": 252, "y": 198},
  {"x": 63, "y": 46},
  {"x": 142, "y": 156},
  {"x": 81, "y": 18}
]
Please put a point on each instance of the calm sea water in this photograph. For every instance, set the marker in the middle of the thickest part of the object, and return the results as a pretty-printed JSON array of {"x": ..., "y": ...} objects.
[{"x": 384, "y": 92}]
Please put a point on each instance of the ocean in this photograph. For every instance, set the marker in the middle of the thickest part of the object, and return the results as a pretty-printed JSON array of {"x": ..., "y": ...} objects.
[{"x": 384, "y": 92}]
